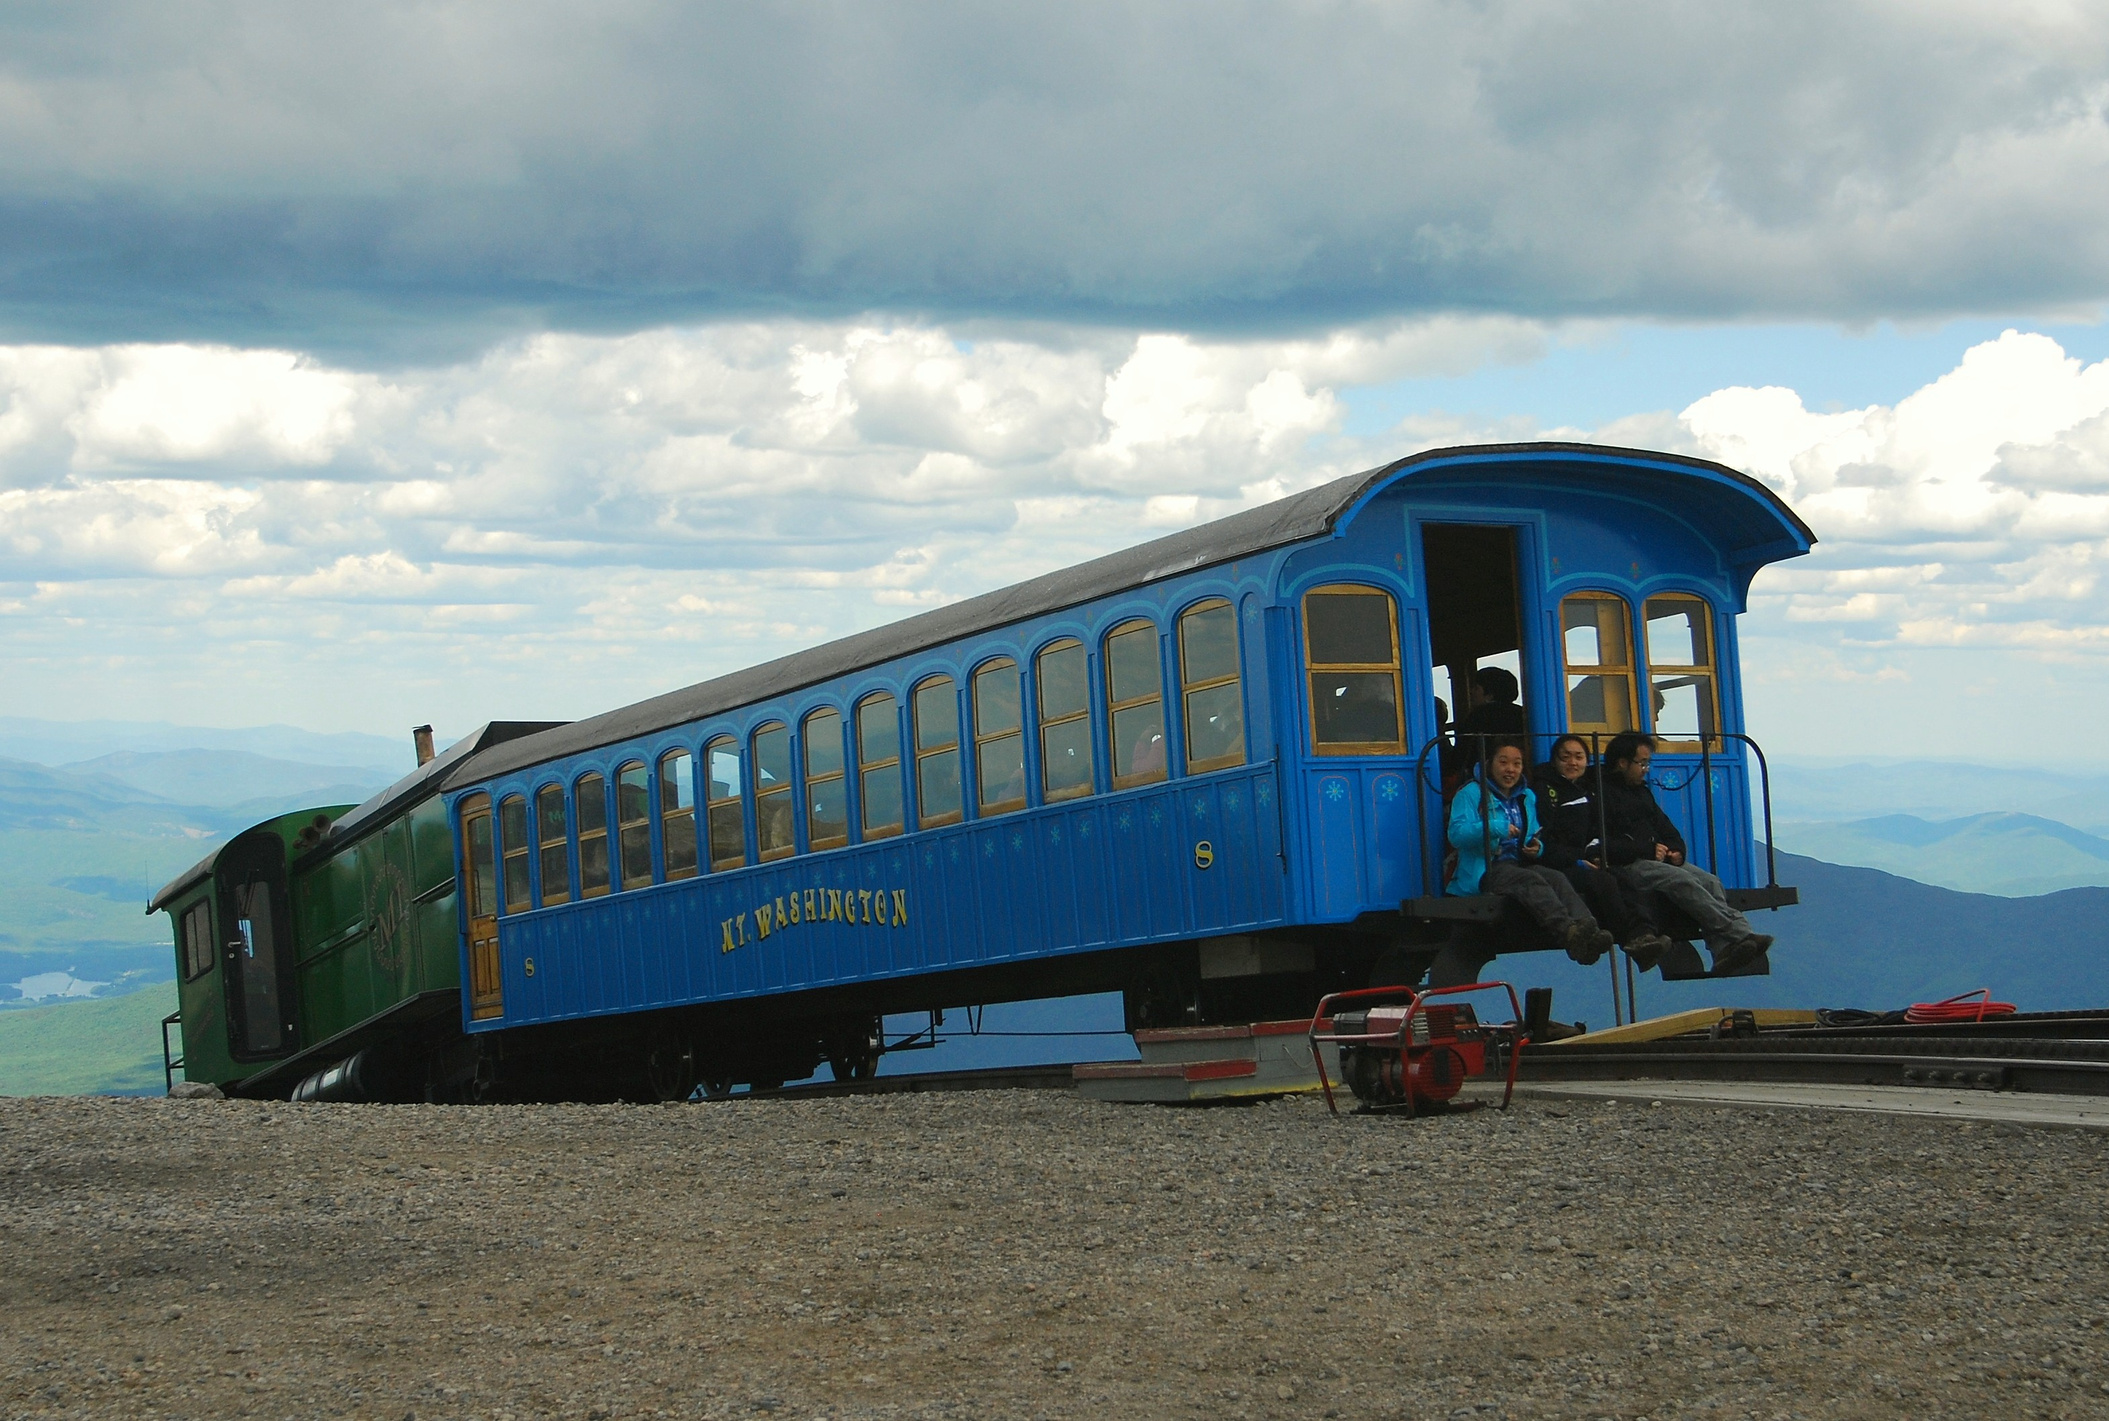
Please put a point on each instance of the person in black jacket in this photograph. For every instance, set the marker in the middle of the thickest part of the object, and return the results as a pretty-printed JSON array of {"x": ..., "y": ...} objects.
[
  {"x": 1567, "y": 806},
  {"x": 1645, "y": 850}
]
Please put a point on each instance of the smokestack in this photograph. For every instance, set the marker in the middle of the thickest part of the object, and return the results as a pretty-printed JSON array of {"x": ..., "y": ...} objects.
[{"x": 421, "y": 737}]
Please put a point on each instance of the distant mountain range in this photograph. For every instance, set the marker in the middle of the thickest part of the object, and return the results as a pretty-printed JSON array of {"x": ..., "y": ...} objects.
[
  {"x": 2015, "y": 855},
  {"x": 63, "y": 742},
  {"x": 1935, "y": 790}
]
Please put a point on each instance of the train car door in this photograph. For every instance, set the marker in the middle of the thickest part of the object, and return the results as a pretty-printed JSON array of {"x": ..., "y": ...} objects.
[
  {"x": 479, "y": 867},
  {"x": 257, "y": 946},
  {"x": 1475, "y": 623}
]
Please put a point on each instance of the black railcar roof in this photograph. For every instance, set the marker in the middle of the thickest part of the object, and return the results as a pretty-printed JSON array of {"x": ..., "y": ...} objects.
[{"x": 1294, "y": 519}]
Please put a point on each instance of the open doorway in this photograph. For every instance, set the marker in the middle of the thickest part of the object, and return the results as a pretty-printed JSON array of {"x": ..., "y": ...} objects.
[{"x": 1475, "y": 625}]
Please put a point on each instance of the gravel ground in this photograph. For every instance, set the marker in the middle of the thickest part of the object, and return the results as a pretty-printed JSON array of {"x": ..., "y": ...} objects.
[{"x": 1024, "y": 1253}]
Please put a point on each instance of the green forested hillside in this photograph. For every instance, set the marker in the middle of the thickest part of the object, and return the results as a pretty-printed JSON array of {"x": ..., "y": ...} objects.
[{"x": 104, "y": 1047}]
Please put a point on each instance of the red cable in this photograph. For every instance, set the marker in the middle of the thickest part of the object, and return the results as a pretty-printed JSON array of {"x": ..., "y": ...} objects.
[{"x": 1959, "y": 1008}]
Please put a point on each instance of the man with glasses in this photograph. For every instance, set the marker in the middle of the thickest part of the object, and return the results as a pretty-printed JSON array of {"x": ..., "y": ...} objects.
[{"x": 1645, "y": 850}]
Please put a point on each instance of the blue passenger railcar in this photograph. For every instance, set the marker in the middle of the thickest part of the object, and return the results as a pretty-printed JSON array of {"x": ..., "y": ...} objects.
[{"x": 1203, "y": 771}]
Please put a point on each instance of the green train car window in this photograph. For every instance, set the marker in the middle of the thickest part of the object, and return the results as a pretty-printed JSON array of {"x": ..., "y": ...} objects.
[
  {"x": 999, "y": 738},
  {"x": 879, "y": 766},
  {"x": 1135, "y": 705},
  {"x": 1351, "y": 655},
  {"x": 677, "y": 815},
  {"x": 512, "y": 839},
  {"x": 633, "y": 824},
  {"x": 552, "y": 824},
  {"x": 827, "y": 794},
  {"x": 773, "y": 832},
  {"x": 724, "y": 804},
  {"x": 937, "y": 791},
  {"x": 590, "y": 796},
  {"x": 198, "y": 955},
  {"x": 1208, "y": 677}
]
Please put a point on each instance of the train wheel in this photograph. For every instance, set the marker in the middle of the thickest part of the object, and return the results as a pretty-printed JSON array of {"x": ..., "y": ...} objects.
[{"x": 669, "y": 1066}]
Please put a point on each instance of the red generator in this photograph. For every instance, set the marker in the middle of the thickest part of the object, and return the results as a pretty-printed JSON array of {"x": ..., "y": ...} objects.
[{"x": 1400, "y": 1050}]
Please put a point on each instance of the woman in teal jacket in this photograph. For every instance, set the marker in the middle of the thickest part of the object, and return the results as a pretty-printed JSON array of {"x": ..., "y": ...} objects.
[{"x": 1494, "y": 828}]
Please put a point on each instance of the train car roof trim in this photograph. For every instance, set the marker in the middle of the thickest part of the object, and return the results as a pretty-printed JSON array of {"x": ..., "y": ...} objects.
[{"x": 1300, "y": 517}]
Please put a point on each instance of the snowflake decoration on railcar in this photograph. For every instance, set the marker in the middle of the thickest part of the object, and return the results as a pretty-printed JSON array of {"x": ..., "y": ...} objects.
[
  {"x": 1336, "y": 790},
  {"x": 1387, "y": 788}
]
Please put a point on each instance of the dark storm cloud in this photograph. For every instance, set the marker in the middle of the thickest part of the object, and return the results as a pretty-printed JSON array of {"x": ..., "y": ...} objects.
[{"x": 409, "y": 182}]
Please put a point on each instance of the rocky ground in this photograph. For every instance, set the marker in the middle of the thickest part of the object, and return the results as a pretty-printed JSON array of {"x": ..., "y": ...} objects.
[{"x": 1024, "y": 1253}]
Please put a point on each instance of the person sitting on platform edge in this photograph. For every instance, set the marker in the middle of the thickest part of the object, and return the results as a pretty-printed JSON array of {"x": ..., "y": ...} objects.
[
  {"x": 1646, "y": 852},
  {"x": 1568, "y": 805},
  {"x": 1494, "y": 828}
]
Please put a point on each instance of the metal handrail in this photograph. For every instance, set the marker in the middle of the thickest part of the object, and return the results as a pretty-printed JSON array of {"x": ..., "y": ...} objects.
[{"x": 170, "y": 1063}]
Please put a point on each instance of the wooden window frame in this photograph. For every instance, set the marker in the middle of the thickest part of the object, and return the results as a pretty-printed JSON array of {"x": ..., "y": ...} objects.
[
  {"x": 953, "y": 746},
  {"x": 1042, "y": 724},
  {"x": 983, "y": 809},
  {"x": 1395, "y": 746},
  {"x": 866, "y": 830},
  {"x": 1189, "y": 688},
  {"x": 1115, "y": 750},
  {"x": 1710, "y": 669},
  {"x": 508, "y": 852},
  {"x": 738, "y": 857},
  {"x": 545, "y": 842},
  {"x": 814, "y": 843},
  {"x": 583, "y": 836},
  {"x": 672, "y": 820},
  {"x": 1630, "y": 670},
  {"x": 620, "y": 868},
  {"x": 784, "y": 786}
]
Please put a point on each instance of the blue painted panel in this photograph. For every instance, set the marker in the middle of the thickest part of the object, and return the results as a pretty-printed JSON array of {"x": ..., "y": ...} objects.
[
  {"x": 1336, "y": 847},
  {"x": 1026, "y": 885},
  {"x": 1393, "y": 840}
]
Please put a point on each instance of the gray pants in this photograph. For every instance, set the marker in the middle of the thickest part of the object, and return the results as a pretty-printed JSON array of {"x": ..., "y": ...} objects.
[
  {"x": 1693, "y": 892},
  {"x": 1543, "y": 892}
]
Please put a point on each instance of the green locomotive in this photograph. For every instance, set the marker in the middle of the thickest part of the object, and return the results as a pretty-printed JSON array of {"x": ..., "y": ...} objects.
[{"x": 308, "y": 938}]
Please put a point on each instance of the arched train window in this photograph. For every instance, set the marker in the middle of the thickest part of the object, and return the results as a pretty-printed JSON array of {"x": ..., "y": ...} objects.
[
  {"x": 937, "y": 792},
  {"x": 1135, "y": 705},
  {"x": 1065, "y": 721},
  {"x": 590, "y": 800},
  {"x": 553, "y": 829},
  {"x": 879, "y": 766},
  {"x": 773, "y": 808},
  {"x": 827, "y": 796},
  {"x": 1351, "y": 660},
  {"x": 633, "y": 824},
  {"x": 1682, "y": 690},
  {"x": 513, "y": 844},
  {"x": 724, "y": 810},
  {"x": 677, "y": 815},
  {"x": 1208, "y": 676},
  {"x": 1596, "y": 643},
  {"x": 999, "y": 738}
]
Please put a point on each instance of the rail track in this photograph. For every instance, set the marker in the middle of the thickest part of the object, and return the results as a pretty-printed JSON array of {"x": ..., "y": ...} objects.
[{"x": 2064, "y": 1053}]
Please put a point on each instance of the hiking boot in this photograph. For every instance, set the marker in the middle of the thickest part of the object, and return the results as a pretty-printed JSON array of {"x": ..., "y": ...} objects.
[
  {"x": 1580, "y": 941},
  {"x": 1646, "y": 950},
  {"x": 1600, "y": 942},
  {"x": 1740, "y": 953}
]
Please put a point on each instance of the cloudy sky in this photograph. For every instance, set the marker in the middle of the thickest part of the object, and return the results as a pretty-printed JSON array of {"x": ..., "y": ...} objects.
[{"x": 368, "y": 366}]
